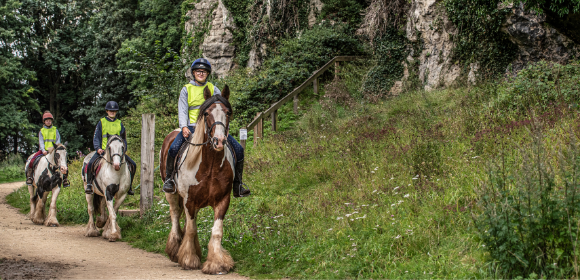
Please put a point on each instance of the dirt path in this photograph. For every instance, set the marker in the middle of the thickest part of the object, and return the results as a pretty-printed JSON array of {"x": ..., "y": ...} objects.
[{"x": 33, "y": 252}]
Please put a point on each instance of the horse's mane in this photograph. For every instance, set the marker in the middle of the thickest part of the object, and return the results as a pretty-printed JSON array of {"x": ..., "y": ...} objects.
[
  {"x": 194, "y": 152},
  {"x": 215, "y": 98}
]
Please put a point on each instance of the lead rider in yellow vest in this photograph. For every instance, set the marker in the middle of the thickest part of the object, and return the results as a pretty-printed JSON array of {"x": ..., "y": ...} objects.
[
  {"x": 109, "y": 125},
  {"x": 190, "y": 100}
]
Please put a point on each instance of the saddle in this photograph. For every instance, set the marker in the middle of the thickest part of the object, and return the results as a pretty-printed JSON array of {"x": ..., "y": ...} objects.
[
  {"x": 183, "y": 148},
  {"x": 34, "y": 162},
  {"x": 96, "y": 168}
]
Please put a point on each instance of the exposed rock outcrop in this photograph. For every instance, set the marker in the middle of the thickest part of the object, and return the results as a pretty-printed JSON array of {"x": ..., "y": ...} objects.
[
  {"x": 536, "y": 39},
  {"x": 217, "y": 44},
  {"x": 428, "y": 22},
  {"x": 532, "y": 33}
]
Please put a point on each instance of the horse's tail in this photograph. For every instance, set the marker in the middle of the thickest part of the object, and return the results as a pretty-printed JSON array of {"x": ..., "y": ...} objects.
[{"x": 97, "y": 204}]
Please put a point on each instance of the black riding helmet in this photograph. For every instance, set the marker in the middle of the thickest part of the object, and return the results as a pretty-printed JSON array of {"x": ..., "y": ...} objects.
[
  {"x": 201, "y": 63},
  {"x": 112, "y": 106}
]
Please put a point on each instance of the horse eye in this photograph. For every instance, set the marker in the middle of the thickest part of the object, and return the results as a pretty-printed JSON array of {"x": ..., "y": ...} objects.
[{"x": 206, "y": 114}]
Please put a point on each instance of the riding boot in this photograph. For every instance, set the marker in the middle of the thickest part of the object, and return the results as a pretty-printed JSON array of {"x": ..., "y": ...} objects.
[
  {"x": 132, "y": 170},
  {"x": 29, "y": 175},
  {"x": 239, "y": 190},
  {"x": 89, "y": 187},
  {"x": 65, "y": 182},
  {"x": 169, "y": 185}
]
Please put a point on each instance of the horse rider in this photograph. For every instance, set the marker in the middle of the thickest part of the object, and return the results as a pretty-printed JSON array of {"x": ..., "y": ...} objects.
[
  {"x": 190, "y": 99},
  {"x": 109, "y": 125},
  {"x": 47, "y": 137}
]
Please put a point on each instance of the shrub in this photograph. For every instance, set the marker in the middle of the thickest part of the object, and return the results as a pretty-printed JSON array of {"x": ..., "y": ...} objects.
[
  {"x": 530, "y": 211},
  {"x": 539, "y": 85},
  {"x": 295, "y": 61},
  {"x": 12, "y": 168}
]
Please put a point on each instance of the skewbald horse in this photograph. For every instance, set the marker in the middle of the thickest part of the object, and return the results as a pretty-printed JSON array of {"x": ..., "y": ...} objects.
[
  {"x": 47, "y": 177},
  {"x": 205, "y": 177},
  {"x": 112, "y": 183}
]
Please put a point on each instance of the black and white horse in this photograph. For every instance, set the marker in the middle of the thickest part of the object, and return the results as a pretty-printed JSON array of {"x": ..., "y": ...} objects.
[
  {"x": 47, "y": 177},
  {"x": 112, "y": 183}
]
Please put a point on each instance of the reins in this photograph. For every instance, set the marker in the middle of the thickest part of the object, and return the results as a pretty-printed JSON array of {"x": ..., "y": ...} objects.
[
  {"x": 207, "y": 133},
  {"x": 108, "y": 148}
]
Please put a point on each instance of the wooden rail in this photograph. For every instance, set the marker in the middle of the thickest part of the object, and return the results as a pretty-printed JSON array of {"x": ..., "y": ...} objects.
[{"x": 258, "y": 123}]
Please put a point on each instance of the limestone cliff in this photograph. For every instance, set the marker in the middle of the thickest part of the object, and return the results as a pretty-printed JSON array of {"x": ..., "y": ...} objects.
[{"x": 217, "y": 47}]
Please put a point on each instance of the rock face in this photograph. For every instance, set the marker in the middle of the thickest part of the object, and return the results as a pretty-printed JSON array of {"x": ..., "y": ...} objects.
[
  {"x": 428, "y": 18},
  {"x": 532, "y": 33},
  {"x": 217, "y": 44},
  {"x": 536, "y": 39}
]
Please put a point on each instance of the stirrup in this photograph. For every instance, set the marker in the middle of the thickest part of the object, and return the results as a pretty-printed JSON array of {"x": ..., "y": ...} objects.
[
  {"x": 246, "y": 191},
  {"x": 89, "y": 189},
  {"x": 167, "y": 188}
]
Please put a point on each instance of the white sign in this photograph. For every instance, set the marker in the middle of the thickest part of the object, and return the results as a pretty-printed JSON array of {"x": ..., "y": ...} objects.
[{"x": 243, "y": 134}]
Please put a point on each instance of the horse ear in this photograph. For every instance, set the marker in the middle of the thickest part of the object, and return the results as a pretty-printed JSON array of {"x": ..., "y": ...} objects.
[
  {"x": 226, "y": 92},
  {"x": 206, "y": 93}
]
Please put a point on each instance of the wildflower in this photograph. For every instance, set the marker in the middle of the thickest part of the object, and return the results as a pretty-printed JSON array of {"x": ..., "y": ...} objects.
[
  {"x": 353, "y": 244},
  {"x": 407, "y": 195},
  {"x": 392, "y": 205},
  {"x": 373, "y": 192},
  {"x": 372, "y": 172},
  {"x": 397, "y": 237},
  {"x": 348, "y": 215},
  {"x": 329, "y": 229},
  {"x": 339, "y": 218},
  {"x": 396, "y": 188}
]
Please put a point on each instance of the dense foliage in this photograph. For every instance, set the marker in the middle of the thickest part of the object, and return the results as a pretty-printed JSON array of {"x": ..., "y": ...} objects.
[
  {"x": 294, "y": 62},
  {"x": 63, "y": 56}
]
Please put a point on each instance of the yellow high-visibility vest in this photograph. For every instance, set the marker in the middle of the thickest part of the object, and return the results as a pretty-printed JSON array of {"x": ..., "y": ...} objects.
[
  {"x": 49, "y": 136},
  {"x": 110, "y": 128},
  {"x": 195, "y": 99}
]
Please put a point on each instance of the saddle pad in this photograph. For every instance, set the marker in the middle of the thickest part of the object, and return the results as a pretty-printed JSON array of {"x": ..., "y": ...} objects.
[
  {"x": 97, "y": 164},
  {"x": 35, "y": 159}
]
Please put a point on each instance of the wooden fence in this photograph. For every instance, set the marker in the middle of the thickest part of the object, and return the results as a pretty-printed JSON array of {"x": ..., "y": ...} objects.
[{"x": 258, "y": 123}]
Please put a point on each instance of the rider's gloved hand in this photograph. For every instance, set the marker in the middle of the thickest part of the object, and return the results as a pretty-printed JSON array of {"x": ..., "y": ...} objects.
[
  {"x": 185, "y": 131},
  {"x": 100, "y": 151},
  {"x": 44, "y": 153}
]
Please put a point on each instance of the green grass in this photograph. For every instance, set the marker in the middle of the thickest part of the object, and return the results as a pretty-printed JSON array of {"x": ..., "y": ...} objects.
[
  {"x": 361, "y": 190},
  {"x": 12, "y": 169}
]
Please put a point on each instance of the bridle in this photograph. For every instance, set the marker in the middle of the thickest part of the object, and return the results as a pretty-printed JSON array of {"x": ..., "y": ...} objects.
[
  {"x": 53, "y": 167},
  {"x": 208, "y": 129},
  {"x": 108, "y": 148}
]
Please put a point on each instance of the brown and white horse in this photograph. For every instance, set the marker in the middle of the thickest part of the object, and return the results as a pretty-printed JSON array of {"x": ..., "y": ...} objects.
[
  {"x": 111, "y": 183},
  {"x": 47, "y": 177},
  {"x": 204, "y": 178}
]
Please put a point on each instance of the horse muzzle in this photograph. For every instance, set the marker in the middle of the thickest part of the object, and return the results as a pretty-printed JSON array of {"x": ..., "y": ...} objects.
[
  {"x": 218, "y": 143},
  {"x": 63, "y": 169},
  {"x": 117, "y": 166}
]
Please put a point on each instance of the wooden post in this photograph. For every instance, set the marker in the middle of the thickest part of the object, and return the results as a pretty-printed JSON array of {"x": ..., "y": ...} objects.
[
  {"x": 336, "y": 70},
  {"x": 315, "y": 86},
  {"x": 296, "y": 104},
  {"x": 258, "y": 129},
  {"x": 274, "y": 115},
  {"x": 147, "y": 165},
  {"x": 243, "y": 137}
]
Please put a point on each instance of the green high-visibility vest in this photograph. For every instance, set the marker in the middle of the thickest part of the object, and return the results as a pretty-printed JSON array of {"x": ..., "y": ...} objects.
[
  {"x": 195, "y": 99},
  {"x": 110, "y": 128},
  {"x": 49, "y": 136}
]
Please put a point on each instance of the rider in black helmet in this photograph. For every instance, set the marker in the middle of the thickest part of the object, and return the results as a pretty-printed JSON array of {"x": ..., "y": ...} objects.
[
  {"x": 190, "y": 100},
  {"x": 109, "y": 125}
]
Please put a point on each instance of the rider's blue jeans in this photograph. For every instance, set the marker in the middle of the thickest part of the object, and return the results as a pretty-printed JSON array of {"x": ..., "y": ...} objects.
[{"x": 174, "y": 149}]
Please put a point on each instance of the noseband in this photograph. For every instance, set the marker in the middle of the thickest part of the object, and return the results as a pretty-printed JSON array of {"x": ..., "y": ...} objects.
[
  {"x": 209, "y": 128},
  {"x": 116, "y": 154}
]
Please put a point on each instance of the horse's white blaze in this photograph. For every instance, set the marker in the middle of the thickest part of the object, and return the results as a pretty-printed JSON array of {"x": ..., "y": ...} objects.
[{"x": 219, "y": 115}]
